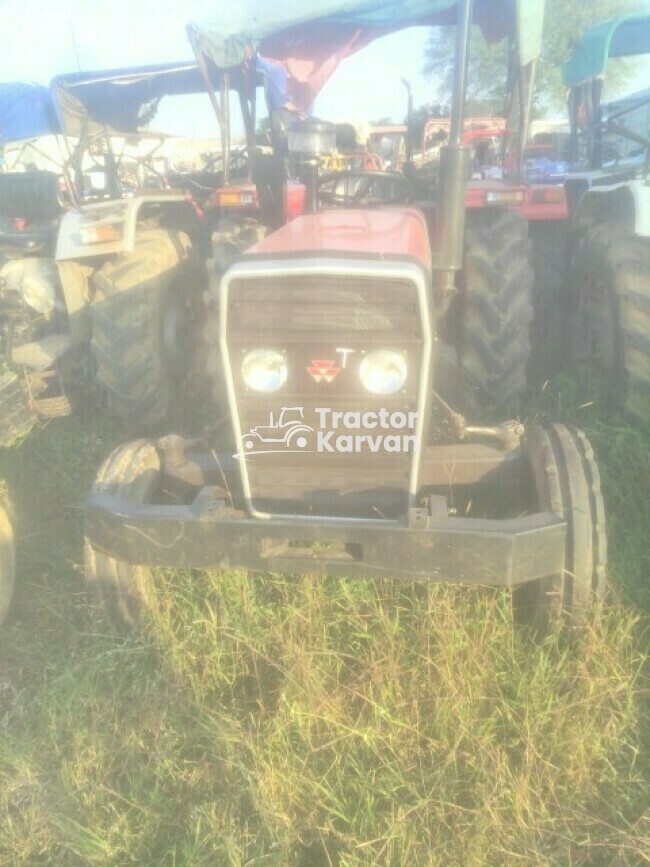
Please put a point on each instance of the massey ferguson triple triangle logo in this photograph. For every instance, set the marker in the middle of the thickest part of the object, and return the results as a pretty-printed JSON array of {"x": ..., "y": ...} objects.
[{"x": 323, "y": 371}]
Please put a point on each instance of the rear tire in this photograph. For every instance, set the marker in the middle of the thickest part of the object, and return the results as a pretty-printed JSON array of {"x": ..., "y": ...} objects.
[
  {"x": 7, "y": 556},
  {"x": 566, "y": 481},
  {"x": 549, "y": 260},
  {"x": 493, "y": 312},
  {"x": 132, "y": 472},
  {"x": 212, "y": 348},
  {"x": 141, "y": 326},
  {"x": 609, "y": 338}
]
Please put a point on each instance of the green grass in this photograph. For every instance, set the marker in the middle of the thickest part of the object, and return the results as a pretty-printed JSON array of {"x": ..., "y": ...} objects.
[{"x": 259, "y": 720}]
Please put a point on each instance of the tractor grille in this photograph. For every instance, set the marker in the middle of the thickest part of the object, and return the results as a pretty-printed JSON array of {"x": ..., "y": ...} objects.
[{"x": 323, "y": 445}]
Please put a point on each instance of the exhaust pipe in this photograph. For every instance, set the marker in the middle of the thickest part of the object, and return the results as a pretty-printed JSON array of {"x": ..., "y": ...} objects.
[{"x": 455, "y": 162}]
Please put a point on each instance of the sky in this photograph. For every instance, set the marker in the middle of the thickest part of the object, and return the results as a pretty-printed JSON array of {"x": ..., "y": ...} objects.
[
  {"x": 42, "y": 38},
  {"x": 48, "y": 37}
]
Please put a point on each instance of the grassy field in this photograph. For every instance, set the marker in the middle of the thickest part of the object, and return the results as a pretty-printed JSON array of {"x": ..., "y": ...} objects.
[{"x": 260, "y": 720}]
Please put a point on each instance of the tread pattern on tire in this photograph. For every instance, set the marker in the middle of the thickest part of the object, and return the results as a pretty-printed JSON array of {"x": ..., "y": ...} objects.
[
  {"x": 132, "y": 472},
  {"x": 127, "y": 315},
  {"x": 230, "y": 240},
  {"x": 623, "y": 259},
  {"x": 211, "y": 345},
  {"x": 496, "y": 304},
  {"x": 7, "y": 555},
  {"x": 549, "y": 260},
  {"x": 567, "y": 482}
]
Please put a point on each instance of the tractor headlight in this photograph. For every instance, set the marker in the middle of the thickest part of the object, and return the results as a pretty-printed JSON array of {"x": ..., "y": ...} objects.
[
  {"x": 264, "y": 370},
  {"x": 383, "y": 371}
]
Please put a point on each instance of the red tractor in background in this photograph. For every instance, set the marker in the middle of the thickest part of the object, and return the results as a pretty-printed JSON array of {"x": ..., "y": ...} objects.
[{"x": 365, "y": 319}]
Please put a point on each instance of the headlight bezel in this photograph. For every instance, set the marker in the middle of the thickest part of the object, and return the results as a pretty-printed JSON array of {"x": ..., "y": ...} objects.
[
  {"x": 252, "y": 369},
  {"x": 370, "y": 366}
]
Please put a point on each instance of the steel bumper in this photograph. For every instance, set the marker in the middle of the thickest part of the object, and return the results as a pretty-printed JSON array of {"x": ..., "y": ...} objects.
[{"x": 208, "y": 534}]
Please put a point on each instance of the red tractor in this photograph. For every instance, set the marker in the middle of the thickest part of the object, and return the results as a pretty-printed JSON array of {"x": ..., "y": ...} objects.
[{"x": 359, "y": 321}]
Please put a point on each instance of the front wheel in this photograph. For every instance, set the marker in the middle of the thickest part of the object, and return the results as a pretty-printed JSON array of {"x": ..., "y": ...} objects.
[
  {"x": 566, "y": 481},
  {"x": 132, "y": 472},
  {"x": 7, "y": 556}
]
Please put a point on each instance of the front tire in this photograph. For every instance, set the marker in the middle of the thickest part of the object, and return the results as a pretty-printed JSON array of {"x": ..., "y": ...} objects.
[
  {"x": 566, "y": 481},
  {"x": 493, "y": 311},
  {"x": 609, "y": 338},
  {"x": 7, "y": 556},
  {"x": 132, "y": 472}
]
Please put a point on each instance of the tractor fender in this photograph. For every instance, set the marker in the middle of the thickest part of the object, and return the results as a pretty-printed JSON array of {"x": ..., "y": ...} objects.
[
  {"x": 102, "y": 228},
  {"x": 627, "y": 203}
]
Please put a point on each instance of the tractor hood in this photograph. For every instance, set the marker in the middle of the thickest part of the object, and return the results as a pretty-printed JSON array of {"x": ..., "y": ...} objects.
[
  {"x": 620, "y": 37},
  {"x": 314, "y": 40}
]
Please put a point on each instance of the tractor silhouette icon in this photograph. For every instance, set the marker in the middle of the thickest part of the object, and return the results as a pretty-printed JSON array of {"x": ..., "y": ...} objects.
[{"x": 289, "y": 432}]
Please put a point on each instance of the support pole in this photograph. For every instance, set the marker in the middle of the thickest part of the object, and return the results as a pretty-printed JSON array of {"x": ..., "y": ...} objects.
[
  {"x": 454, "y": 165},
  {"x": 526, "y": 91},
  {"x": 457, "y": 117},
  {"x": 409, "y": 121},
  {"x": 205, "y": 75},
  {"x": 225, "y": 139}
]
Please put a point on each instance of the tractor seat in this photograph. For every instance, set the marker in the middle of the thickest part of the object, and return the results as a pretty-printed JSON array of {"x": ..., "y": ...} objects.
[{"x": 32, "y": 196}]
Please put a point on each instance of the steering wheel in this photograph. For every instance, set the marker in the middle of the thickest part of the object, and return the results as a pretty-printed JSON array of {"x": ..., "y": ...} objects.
[{"x": 357, "y": 188}]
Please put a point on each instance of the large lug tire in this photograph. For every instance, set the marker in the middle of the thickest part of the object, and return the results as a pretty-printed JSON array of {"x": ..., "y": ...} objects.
[
  {"x": 132, "y": 472},
  {"x": 214, "y": 364},
  {"x": 492, "y": 313},
  {"x": 609, "y": 323},
  {"x": 566, "y": 481},
  {"x": 7, "y": 556},
  {"x": 230, "y": 241},
  {"x": 142, "y": 319},
  {"x": 549, "y": 259}
]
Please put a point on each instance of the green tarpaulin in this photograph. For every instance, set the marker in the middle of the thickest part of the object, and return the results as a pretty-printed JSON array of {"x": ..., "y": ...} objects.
[{"x": 620, "y": 37}]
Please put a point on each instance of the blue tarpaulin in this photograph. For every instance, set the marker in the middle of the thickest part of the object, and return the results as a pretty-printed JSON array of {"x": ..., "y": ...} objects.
[
  {"x": 26, "y": 111},
  {"x": 118, "y": 101},
  {"x": 121, "y": 100}
]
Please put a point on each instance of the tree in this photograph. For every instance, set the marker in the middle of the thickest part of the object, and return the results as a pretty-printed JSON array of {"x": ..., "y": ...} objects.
[
  {"x": 422, "y": 114},
  {"x": 564, "y": 23}
]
